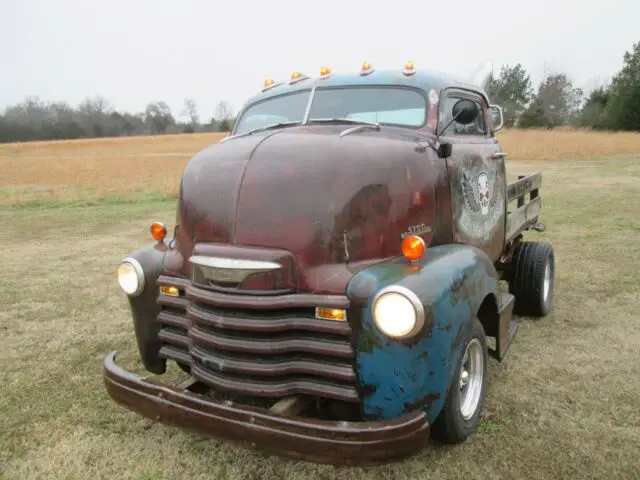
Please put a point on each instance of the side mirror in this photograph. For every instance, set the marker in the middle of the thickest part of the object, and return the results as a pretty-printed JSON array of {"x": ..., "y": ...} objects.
[
  {"x": 465, "y": 111},
  {"x": 496, "y": 110}
]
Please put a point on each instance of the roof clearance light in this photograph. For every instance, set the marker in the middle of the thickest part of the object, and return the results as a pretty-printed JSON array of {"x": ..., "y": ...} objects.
[
  {"x": 409, "y": 68},
  {"x": 325, "y": 72},
  {"x": 413, "y": 248},
  {"x": 366, "y": 68},
  {"x": 268, "y": 83},
  {"x": 296, "y": 77}
]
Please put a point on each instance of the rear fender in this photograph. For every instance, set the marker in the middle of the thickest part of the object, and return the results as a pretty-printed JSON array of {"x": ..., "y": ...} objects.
[
  {"x": 396, "y": 377},
  {"x": 144, "y": 307}
]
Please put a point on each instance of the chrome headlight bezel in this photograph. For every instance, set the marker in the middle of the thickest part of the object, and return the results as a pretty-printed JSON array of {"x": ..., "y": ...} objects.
[
  {"x": 412, "y": 300},
  {"x": 139, "y": 272}
]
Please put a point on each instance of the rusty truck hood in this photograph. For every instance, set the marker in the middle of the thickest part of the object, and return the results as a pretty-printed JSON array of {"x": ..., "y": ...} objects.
[{"x": 335, "y": 203}]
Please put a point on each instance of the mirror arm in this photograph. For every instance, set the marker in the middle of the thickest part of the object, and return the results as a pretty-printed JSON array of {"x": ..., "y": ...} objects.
[{"x": 443, "y": 150}]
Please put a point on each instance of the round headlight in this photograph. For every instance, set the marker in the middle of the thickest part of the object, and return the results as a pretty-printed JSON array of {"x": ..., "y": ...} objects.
[
  {"x": 130, "y": 277},
  {"x": 398, "y": 312}
]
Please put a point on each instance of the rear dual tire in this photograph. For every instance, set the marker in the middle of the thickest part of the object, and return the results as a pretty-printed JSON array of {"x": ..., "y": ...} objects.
[{"x": 532, "y": 280}]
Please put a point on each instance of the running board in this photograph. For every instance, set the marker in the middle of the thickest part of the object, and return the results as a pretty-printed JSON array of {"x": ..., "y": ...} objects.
[{"x": 507, "y": 329}]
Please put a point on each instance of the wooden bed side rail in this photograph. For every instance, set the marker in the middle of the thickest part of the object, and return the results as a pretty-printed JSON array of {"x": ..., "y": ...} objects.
[
  {"x": 525, "y": 184},
  {"x": 527, "y": 213}
]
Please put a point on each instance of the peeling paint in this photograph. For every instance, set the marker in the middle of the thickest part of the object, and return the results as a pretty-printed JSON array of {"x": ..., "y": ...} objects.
[
  {"x": 418, "y": 375},
  {"x": 368, "y": 339},
  {"x": 422, "y": 403}
]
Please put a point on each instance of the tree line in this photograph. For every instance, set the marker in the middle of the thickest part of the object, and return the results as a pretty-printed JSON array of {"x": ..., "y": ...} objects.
[
  {"x": 614, "y": 105},
  {"x": 34, "y": 119}
]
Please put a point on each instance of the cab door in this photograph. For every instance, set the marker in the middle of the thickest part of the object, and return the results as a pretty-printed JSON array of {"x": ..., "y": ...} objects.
[{"x": 476, "y": 172}]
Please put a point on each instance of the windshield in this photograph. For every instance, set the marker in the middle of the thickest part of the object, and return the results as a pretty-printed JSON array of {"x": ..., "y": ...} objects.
[
  {"x": 384, "y": 105},
  {"x": 284, "y": 108},
  {"x": 390, "y": 105}
]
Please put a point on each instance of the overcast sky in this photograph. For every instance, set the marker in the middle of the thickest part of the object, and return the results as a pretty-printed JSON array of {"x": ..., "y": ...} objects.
[{"x": 136, "y": 51}]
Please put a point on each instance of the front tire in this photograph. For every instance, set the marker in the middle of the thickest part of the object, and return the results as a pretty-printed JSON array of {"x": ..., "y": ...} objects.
[{"x": 459, "y": 417}]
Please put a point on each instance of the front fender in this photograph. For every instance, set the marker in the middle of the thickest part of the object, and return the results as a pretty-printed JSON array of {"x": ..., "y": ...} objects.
[
  {"x": 144, "y": 308},
  {"x": 396, "y": 377}
]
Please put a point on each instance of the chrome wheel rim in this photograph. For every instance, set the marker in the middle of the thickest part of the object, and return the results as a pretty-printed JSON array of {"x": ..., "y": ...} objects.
[
  {"x": 547, "y": 282},
  {"x": 470, "y": 380}
]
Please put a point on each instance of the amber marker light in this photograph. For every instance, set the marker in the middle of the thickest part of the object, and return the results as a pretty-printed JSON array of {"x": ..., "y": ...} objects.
[
  {"x": 409, "y": 68},
  {"x": 366, "y": 68},
  {"x": 336, "y": 314},
  {"x": 325, "y": 72},
  {"x": 413, "y": 248},
  {"x": 158, "y": 231},
  {"x": 169, "y": 290},
  {"x": 296, "y": 76},
  {"x": 268, "y": 83}
]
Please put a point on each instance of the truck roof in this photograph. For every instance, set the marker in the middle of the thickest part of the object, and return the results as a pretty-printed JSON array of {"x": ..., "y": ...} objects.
[{"x": 423, "y": 79}]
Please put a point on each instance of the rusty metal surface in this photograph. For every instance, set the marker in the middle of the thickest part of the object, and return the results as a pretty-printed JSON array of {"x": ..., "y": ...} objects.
[
  {"x": 477, "y": 179},
  {"x": 280, "y": 281},
  {"x": 478, "y": 195},
  {"x": 265, "y": 302},
  {"x": 330, "y": 213},
  {"x": 354, "y": 443},
  {"x": 244, "y": 384},
  {"x": 395, "y": 377},
  {"x": 144, "y": 308},
  {"x": 242, "y": 348},
  {"x": 351, "y": 206}
]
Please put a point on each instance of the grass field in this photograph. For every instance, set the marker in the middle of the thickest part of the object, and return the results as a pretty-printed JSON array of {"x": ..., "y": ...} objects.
[
  {"x": 145, "y": 168},
  {"x": 565, "y": 404}
]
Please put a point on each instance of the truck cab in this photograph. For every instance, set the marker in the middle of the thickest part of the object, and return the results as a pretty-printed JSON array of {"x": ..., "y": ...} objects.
[{"x": 335, "y": 270}]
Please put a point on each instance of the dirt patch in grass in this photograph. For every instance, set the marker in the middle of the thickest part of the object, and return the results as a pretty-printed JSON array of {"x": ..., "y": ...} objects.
[{"x": 564, "y": 404}]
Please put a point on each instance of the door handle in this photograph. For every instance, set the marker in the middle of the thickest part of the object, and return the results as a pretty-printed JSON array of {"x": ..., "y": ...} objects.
[{"x": 498, "y": 155}]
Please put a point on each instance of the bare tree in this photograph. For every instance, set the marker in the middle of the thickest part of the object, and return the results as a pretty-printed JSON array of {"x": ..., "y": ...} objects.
[
  {"x": 223, "y": 111},
  {"x": 93, "y": 114},
  {"x": 191, "y": 111}
]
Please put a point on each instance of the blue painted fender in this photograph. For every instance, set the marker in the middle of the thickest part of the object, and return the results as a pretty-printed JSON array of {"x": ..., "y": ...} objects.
[{"x": 398, "y": 376}]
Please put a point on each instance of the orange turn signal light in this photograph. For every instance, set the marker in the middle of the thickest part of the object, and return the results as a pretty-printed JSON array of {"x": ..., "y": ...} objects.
[
  {"x": 158, "y": 231},
  {"x": 409, "y": 68},
  {"x": 325, "y": 72},
  {"x": 336, "y": 314},
  {"x": 413, "y": 247},
  {"x": 170, "y": 290},
  {"x": 366, "y": 68},
  {"x": 268, "y": 83}
]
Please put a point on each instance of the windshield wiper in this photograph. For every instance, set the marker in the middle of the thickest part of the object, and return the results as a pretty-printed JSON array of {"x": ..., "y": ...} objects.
[
  {"x": 344, "y": 120},
  {"x": 361, "y": 124},
  {"x": 266, "y": 127}
]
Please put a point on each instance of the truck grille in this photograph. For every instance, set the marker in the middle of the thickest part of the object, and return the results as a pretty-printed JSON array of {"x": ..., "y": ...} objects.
[{"x": 260, "y": 346}]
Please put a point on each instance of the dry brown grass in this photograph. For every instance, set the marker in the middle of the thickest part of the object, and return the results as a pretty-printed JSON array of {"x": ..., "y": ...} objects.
[
  {"x": 564, "y": 404},
  {"x": 96, "y": 168},
  {"x": 89, "y": 169}
]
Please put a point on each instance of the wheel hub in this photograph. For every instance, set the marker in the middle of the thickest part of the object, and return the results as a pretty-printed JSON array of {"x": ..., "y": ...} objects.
[
  {"x": 547, "y": 282},
  {"x": 470, "y": 381}
]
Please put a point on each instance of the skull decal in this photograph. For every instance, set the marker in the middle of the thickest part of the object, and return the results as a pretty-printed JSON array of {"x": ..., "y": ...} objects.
[
  {"x": 483, "y": 193},
  {"x": 479, "y": 202},
  {"x": 478, "y": 199}
]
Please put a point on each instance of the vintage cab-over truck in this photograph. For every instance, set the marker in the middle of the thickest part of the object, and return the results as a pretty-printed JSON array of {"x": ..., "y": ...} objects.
[{"x": 336, "y": 269}]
